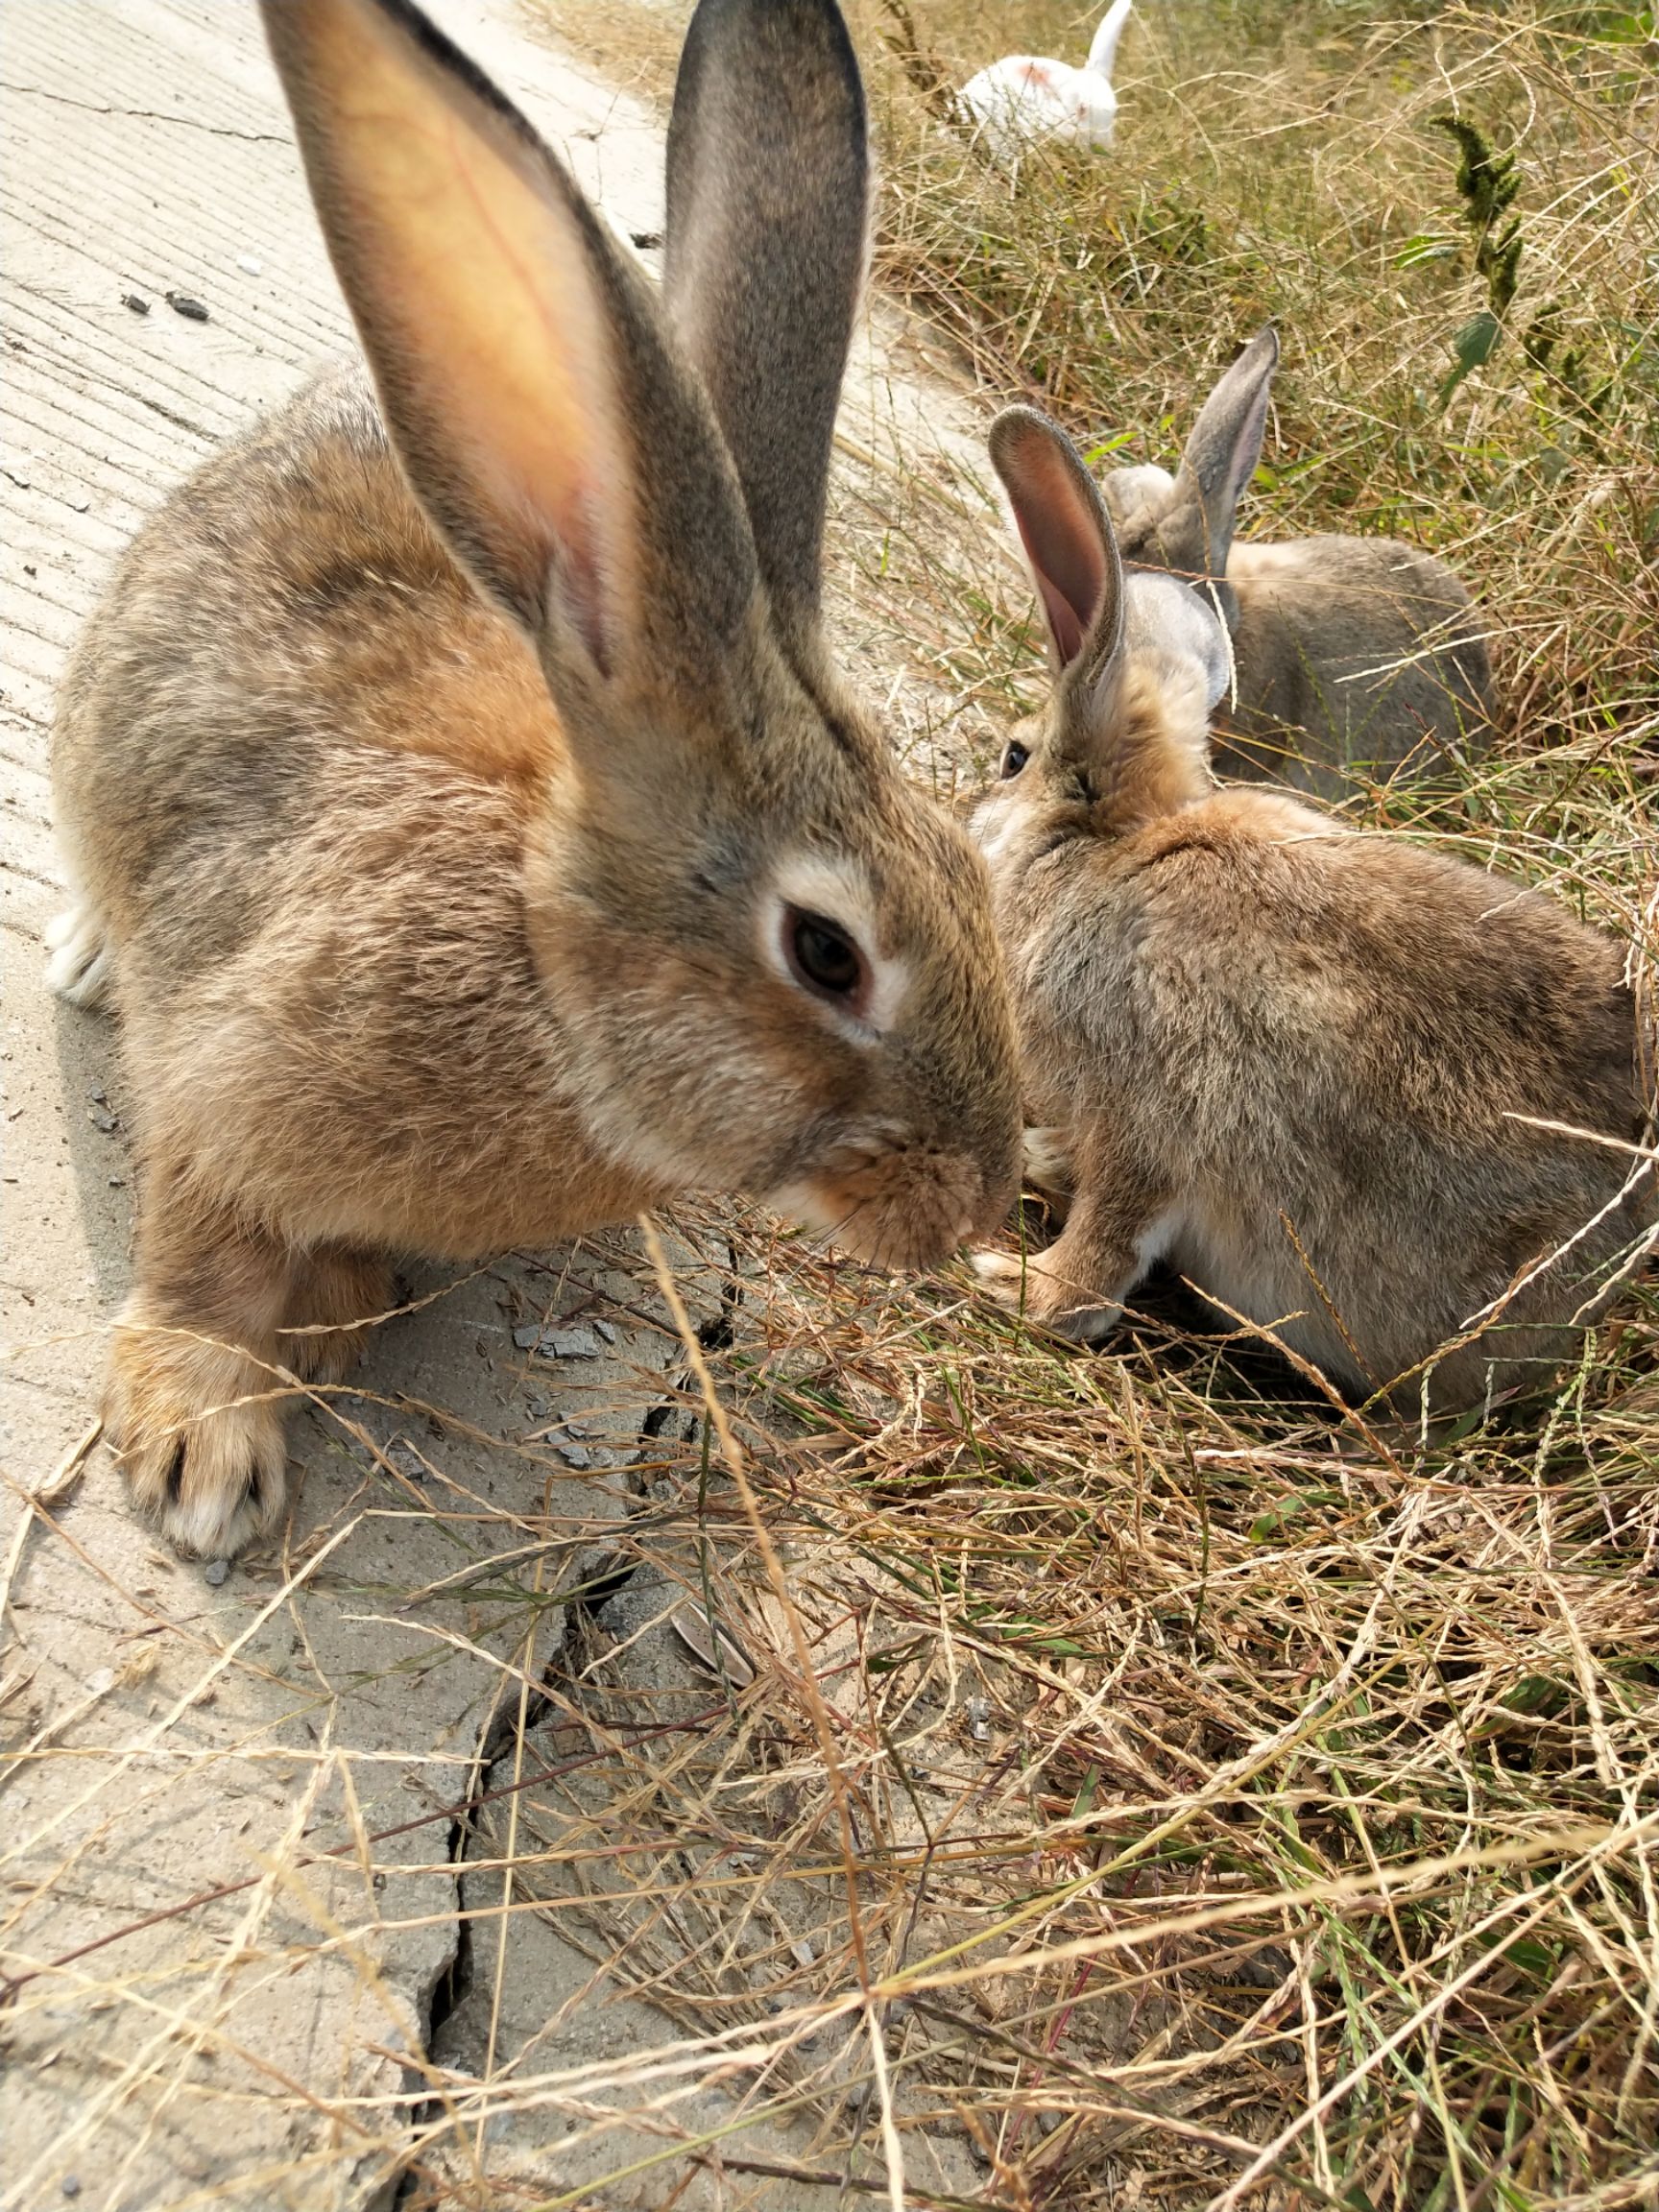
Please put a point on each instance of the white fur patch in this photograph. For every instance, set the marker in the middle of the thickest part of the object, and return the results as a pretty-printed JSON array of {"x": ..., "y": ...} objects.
[
  {"x": 1132, "y": 494},
  {"x": 1156, "y": 1242},
  {"x": 78, "y": 965},
  {"x": 1163, "y": 615},
  {"x": 840, "y": 891},
  {"x": 993, "y": 822}
]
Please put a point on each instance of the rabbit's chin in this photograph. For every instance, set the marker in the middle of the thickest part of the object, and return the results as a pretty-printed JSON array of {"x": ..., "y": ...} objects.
[{"x": 900, "y": 1208}]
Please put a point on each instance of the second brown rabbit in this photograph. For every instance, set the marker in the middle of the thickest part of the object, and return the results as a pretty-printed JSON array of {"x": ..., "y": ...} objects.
[
  {"x": 1355, "y": 658},
  {"x": 1313, "y": 1069}
]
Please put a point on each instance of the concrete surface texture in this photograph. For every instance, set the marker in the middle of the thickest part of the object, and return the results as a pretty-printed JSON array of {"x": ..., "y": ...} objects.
[{"x": 259, "y": 1942}]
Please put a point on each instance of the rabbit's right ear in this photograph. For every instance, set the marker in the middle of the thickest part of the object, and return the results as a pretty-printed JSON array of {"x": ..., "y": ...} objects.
[
  {"x": 765, "y": 252},
  {"x": 1197, "y": 534},
  {"x": 521, "y": 370},
  {"x": 1069, "y": 541}
]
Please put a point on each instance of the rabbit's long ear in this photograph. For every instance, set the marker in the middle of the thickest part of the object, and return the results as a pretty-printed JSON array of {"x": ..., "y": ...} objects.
[
  {"x": 1219, "y": 460},
  {"x": 521, "y": 369},
  {"x": 1103, "y": 46},
  {"x": 767, "y": 241},
  {"x": 1069, "y": 541}
]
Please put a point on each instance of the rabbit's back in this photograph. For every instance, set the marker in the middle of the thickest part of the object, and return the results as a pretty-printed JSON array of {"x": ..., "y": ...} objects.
[
  {"x": 287, "y": 617},
  {"x": 1341, "y": 1037},
  {"x": 295, "y": 763},
  {"x": 1370, "y": 647}
]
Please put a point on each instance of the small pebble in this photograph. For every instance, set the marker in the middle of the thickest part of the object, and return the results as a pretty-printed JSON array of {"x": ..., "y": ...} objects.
[
  {"x": 182, "y": 303},
  {"x": 139, "y": 307},
  {"x": 571, "y": 1344},
  {"x": 556, "y": 1343},
  {"x": 406, "y": 1459},
  {"x": 248, "y": 264},
  {"x": 70, "y": 2185},
  {"x": 104, "y": 1680},
  {"x": 105, "y": 1121},
  {"x": 979, "y": 1719},
  {"x": 98, "y": 1094},
  {"x": 575, "y": 1455},
  {"x": 607, "y": 1329},
  {"x": 217, "y": 1574}
]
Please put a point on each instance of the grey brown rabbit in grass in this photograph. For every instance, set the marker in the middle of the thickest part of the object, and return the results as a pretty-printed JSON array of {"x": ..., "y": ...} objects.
[
  {"x": 465, "y": 818},
  {"x": 1353, "y": 656},
  {"x": 1304, "y": 1065}
]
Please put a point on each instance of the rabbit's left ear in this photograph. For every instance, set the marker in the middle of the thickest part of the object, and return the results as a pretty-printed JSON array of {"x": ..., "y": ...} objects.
[
  {"x": 766, "y": 247},
  {"x": 520, "y": 362},
  {"x": 1069, "y": 541}
]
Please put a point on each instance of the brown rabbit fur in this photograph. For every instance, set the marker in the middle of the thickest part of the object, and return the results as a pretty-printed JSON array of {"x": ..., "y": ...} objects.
[
  {"x": 1353, "y": 657},
  {"x": 450, "y": 904},
  {"x": 1299, "y": 1062}
]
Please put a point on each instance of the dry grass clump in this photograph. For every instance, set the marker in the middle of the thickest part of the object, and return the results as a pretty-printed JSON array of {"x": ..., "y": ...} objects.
[{"x": 1196, "y": 1801}]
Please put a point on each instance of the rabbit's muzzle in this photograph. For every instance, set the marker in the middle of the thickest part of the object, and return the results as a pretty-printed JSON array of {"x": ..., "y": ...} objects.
[{"x": 901, "y": 1206}]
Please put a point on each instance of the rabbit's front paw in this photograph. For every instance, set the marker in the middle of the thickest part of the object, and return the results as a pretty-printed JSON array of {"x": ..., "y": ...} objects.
[
  {"x": 1034, "y": 1286},
  {"x": 198, "y": 1433}
]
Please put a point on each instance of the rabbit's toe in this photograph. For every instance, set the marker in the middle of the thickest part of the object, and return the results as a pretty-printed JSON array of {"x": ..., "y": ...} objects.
[
  {"x": 1032, "y": 1286},
  {"x": 1003, "y": 1273},
  {"x": 198, "y": 1438}
]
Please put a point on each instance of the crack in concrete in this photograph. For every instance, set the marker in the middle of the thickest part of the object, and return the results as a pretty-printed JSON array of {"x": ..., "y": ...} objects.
[{"x": 147, "y": 116}]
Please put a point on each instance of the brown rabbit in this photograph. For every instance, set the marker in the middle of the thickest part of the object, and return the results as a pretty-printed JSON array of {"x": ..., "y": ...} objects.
[
  {"x": 465, "y": 818},
  {"x": 1306, "y": 1066},
  {"x": 1368, "y": 647}
]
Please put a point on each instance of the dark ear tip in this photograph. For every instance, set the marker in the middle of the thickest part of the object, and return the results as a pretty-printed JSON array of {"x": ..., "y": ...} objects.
[
  {"x": 732, "y": 22},
  {"x": 1268, "y": 340},
  {"x": 1014, "y": 429}
]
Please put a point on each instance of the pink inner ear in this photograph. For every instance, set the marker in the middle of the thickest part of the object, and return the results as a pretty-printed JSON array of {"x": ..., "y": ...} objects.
[
  {"x": 1064, "y": 621},
  {"x": 1066, "y": 557}
]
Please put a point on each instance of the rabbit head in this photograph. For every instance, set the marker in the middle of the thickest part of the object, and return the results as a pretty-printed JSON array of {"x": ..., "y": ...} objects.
[
  {"x": 770, "y": 959},
  {"x": 1140, "y": 662}
]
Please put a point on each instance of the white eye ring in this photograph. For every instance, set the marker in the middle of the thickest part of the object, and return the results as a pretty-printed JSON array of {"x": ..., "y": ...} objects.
[{"x": 834, "y": 895}]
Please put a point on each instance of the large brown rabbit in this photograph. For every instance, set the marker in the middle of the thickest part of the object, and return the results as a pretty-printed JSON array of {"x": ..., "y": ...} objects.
[
  {"x": 1307, "y": 1067},
  {"x": 465, "y": 820},
  {"x": 1353, "y": 657}
]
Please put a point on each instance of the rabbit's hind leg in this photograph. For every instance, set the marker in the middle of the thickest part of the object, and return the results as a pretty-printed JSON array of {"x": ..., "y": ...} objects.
[
  {"x": 196, "y": 1405},
  {"x": 338, "y": 1295}
]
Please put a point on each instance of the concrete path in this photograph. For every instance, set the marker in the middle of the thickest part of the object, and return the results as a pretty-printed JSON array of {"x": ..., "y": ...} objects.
[{"x": 233, "y": 1863}]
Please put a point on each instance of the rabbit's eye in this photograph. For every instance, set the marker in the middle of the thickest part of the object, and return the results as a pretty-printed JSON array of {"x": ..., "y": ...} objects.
[
  {"x": 824, "y": 957},
  {"x": 1014, "y": 759}
]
